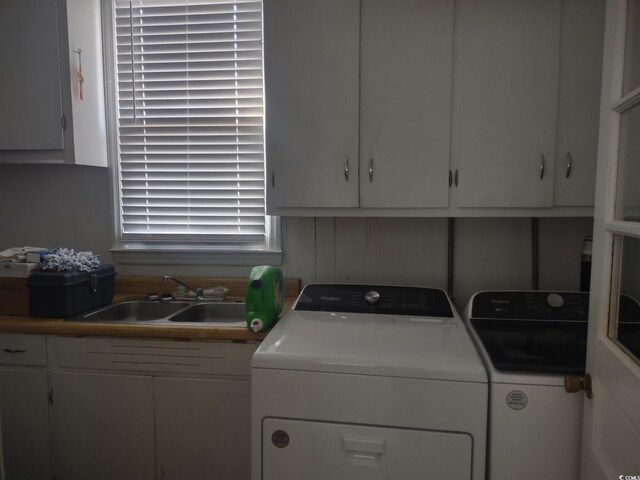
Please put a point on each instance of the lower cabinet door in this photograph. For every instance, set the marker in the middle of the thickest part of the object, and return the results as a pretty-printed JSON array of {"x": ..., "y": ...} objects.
[
  {"x": 103, "y": 426},
  {"x": 298, "y": 449},
  {"x": 202, "y": 429},
  {"x": 24, "y": 413}
]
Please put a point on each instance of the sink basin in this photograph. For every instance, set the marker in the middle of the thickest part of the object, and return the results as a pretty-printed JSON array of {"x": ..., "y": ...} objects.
[
  {"x": 133, "y": 311},
  {"x": 225, "y": 313}
]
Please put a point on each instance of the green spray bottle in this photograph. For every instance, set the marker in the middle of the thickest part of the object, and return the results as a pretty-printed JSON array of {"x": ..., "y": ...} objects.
[{"x": 265, "y": 293}]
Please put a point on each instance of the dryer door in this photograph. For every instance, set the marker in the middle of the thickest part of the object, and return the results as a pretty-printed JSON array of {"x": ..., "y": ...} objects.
[{"x": 295, "y": 449}]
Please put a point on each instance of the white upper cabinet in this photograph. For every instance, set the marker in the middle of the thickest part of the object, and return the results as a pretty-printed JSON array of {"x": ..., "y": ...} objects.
[
  {"x": 434, "y": 107},
  {"x": 405, "y": 102},
  {"x": 31, "y": 100},
  {"x": 505, "y": 101},
  {"x": 358, "y": 103},
  {"x": 311, "y": 105},
  {"x": 43, "y": 117},
  {"x": 581, "y": 47}
]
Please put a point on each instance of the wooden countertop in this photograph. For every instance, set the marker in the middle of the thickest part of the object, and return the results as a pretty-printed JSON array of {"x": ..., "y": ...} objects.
[
  {"x": 127, "y": 287},
  {"x": 140, "y": 330}
]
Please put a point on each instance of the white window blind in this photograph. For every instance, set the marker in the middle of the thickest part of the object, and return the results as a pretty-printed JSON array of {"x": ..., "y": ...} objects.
[{"x": 190, "y": 120}]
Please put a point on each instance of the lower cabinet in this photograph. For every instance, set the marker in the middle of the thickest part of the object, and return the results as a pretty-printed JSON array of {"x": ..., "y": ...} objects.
[
  {"x": 24, "y": 412},
  {"x": 103, "y": 426},
  {"x": 202, "y": 428},
  {"x": 128, "y": 409},
  {"x": 142, "y": 427},
  {"x": 24, "y": 407},
  {"x": 148, "y": 409}
]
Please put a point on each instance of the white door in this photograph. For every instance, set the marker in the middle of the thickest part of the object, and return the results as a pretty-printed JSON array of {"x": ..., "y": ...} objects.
[
  {"x": 505, "y": 101},
  {"x": 405, "y": 123},
  {"x": 202, "y": 428},
  {"x": 24, "y": 409},
  {"x": 103, "y": 426},
  {"x": 31, "y": 99},
  {"x": 342, "y": 451},
  {"x": 611, "y": 434},
  {"x": 311, "y": 52}
]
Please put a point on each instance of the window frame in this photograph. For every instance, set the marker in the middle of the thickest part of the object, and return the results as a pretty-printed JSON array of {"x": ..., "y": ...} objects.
[{"x": 156, "y": 251}]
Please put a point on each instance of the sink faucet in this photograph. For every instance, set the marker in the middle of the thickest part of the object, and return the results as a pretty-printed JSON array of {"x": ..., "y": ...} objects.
[{"x": 198, "y": 291}]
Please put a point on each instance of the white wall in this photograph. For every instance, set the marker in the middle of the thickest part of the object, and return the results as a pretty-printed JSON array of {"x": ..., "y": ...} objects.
[{"x": 69, "y": 206}]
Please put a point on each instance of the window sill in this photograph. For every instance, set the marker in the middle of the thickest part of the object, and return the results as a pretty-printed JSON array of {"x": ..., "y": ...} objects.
[{"x": 181, "y": 256}]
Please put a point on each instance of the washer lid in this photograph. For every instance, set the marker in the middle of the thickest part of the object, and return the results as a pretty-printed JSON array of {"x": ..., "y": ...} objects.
[{"x": 437, "y": 348}]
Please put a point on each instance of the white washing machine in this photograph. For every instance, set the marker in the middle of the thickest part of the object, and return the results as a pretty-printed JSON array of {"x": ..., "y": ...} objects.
[
  {"x": 529, "y": 341},
  {"x": 369, "y": 382}
]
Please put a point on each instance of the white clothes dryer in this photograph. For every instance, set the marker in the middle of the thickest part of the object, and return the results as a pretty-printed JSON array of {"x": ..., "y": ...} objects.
[{"x": 369, "y": 382}]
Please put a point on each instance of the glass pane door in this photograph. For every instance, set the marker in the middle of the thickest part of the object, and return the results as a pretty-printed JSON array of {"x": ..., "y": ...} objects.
[
  {"x": 624, "y": 325},
  {"x": 628, "y": 204},
  {"x": 632, "y": 48}
]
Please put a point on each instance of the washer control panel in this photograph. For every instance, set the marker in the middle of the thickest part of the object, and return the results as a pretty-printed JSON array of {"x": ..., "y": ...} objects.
[
  {"x": 531, "y": 305},
  {"x": 381, "y": 299}
]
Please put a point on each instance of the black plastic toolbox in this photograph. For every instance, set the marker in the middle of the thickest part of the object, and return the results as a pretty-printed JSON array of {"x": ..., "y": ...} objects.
[{"x": 66, "y": 294}]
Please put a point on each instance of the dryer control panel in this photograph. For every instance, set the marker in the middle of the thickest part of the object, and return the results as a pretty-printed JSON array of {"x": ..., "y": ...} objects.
[{"x": 376, "y": 299}]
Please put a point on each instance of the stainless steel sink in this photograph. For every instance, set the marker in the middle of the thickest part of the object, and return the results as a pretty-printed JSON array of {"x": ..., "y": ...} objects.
[
  {"x": 212, "y": 313},
  {"x": 133, "y": 311},
  {"x": 228, "y": 314}
]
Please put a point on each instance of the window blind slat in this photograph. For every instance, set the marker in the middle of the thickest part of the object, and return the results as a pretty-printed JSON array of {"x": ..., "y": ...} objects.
[{"x": 190, "y": 114}]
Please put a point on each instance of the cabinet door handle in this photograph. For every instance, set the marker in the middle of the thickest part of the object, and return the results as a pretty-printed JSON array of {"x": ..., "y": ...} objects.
[
  {"x": 569, "y": 162},
  {"x": 346, "y": 169},
  {"x": 15, "y": 350},
  {"x": 541, "y": 166},
  {"x": 370, "y": 169}
]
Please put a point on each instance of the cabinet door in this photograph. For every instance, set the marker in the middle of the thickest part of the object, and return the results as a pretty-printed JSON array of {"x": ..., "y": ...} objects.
[
  {"x": 30, "y": 103},
  {"x": 202, "y": 429},
  {"x": 405, "y": 82},
  {"x": 311, "y": 89},
  {"x": 103, "y": 426},
  {"x": 24, "y": 411},
  {"x": 505, "y": 101},
  {"x": 579, "y": 101}
]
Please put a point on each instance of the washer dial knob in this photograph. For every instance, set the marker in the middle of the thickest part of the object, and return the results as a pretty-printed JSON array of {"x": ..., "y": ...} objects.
[{"x": 555, "y": 301}]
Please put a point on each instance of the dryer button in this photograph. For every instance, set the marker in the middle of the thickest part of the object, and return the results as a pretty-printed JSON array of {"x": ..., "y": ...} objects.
[
  {"x": 372, "y": 297},
  {"x": 280, "y": 438}
]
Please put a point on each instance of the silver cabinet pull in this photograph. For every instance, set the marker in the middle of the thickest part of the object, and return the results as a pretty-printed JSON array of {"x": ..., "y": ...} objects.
[
  {"x": 346, "y": 169},
  {"x": 569, "y": 162},
  {"x": 370, "y": 169},
  {"x": 541, "y": 166}
]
